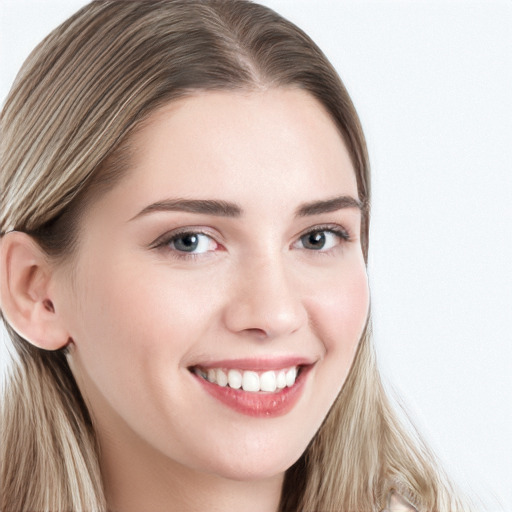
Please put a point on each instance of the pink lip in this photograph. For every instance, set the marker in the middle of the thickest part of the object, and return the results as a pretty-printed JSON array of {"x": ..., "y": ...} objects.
[
  {"x": 257, "y": 364},
  {"x": 260, "y": 404}
]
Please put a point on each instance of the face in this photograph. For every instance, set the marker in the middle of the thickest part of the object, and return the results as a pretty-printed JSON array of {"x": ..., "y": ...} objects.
[{"x": 219, "y": 290}]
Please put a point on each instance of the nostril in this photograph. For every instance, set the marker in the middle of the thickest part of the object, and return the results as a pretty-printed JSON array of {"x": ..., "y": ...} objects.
[{"x": 256, "y": 332}]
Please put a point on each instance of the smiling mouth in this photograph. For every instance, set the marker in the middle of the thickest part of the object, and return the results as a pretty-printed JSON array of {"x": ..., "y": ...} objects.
[
  {"x": 271, "y": 381},
  {"x": 261, "y": 388}
]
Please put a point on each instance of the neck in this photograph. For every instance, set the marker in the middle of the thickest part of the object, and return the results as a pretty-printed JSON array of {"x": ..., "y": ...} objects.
[{"x": 136, "y": 480}]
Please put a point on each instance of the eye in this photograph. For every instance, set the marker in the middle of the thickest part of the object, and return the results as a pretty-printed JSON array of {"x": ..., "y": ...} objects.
[
  {"x": 196, "y": 243},
  {"x": 189, "y": 243},
  {"x": 322, "y": 239}
]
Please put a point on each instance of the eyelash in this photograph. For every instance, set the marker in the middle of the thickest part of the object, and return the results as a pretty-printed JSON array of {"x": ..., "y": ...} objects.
[
  {"x": 164, "y": 241},
  {"x": 342, "y": 234}
]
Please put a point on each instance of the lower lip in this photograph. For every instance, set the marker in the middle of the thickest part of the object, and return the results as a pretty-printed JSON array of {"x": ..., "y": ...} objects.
[{"x": 258, "y": 404}]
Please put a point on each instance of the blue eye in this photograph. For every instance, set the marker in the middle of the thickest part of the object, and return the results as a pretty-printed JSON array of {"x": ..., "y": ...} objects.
[
  {"x": 191, "y": 243},
  {"x": 322, "y": 239}
]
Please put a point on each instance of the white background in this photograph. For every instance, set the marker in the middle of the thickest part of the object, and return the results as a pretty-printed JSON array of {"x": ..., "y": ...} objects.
[{"x": 432, "y": 81}]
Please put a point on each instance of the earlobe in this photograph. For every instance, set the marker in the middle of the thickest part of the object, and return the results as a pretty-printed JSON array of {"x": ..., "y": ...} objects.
[{"x": 25, "y": 292}]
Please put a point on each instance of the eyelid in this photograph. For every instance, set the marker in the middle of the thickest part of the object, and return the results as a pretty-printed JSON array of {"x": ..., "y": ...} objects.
[
  {"x": 163, "y": 241},
  {"x": 173, "y": 234},
  {"x": 343, "y": 235},
  {"x": 338, "y": 229}
]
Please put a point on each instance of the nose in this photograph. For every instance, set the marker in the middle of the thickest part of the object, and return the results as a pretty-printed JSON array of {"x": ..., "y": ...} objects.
[{"x": 265, "y": 300}]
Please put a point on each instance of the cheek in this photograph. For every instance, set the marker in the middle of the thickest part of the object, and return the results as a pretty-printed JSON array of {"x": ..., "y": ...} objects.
[
  {"x": 109, "y": 314},
  {"x": 339, "y": 310},
  {"x": 145, "y": 313},
  {"x": 133, "y": 325}
]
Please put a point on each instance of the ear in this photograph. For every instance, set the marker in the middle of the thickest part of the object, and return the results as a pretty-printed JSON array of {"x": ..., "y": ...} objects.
[{"x": 26, "y": 292}]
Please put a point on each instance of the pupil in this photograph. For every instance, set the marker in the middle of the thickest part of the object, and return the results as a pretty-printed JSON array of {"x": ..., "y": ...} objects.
[
  {"x": 314, "y": 240},
  {"x": 187, "y": 243}
]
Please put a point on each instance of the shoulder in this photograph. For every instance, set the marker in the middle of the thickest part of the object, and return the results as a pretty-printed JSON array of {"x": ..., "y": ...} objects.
[{"x": 397, "y": 503}]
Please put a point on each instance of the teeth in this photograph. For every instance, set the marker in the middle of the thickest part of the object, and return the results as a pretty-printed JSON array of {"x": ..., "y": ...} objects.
[
  {"x": 200, "y": 373},
  {"x": 291, "y": 375},
  {"x": 251, "y": 381},
  {"x": 269, "y": 381},
  {"x": 234, "y": 379},
  {"x": 222, "y": 378},
  {"x": 281, "y": 380}
]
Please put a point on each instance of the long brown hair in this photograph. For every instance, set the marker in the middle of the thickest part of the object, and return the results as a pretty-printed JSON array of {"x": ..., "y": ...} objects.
[{"x": 65, "y": 138}]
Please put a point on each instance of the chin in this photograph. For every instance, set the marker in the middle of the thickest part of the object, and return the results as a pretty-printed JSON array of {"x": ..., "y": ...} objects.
[{"x": 246, "y": 468}]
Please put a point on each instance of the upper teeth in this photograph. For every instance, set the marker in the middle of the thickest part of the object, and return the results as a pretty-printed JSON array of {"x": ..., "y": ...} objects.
[{"x": 249, "y": 380}]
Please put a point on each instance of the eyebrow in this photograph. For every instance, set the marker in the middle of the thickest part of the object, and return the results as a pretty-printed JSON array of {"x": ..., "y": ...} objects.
[
  {"x": 204, "y": 206},
  {"x": 228, "y": 209},
  {"x": 329, "y": 205}
]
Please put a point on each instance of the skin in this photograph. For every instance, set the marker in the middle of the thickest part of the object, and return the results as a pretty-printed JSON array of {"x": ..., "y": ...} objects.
[{"x": 139, "y": 316}]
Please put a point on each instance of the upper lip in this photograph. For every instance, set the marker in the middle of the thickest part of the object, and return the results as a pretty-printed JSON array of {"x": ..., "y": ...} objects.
[{"x": 257, "y": 363}]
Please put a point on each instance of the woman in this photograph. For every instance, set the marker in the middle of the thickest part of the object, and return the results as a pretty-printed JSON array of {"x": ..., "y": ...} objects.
[{"x": 184, "y": 220}]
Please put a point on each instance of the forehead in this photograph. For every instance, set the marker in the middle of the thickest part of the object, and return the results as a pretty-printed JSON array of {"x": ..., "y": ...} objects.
[{"x": 272, "y": 147}]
